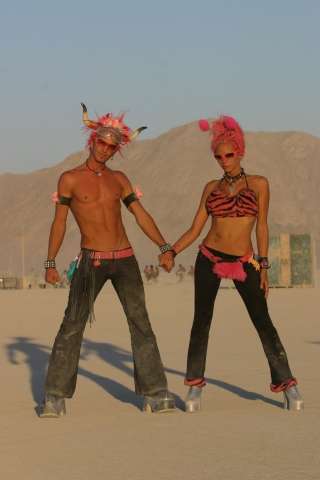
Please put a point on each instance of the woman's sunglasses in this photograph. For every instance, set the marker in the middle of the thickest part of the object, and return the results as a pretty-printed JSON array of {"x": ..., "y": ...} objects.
[{"x": 227, "y": 155}]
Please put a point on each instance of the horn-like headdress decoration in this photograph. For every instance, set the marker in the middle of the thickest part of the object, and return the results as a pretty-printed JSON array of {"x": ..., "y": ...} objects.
[{"x": 109, "y": 121}]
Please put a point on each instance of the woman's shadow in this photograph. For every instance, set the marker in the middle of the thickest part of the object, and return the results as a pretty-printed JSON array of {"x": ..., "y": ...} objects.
[{"x": 36, "y": 356}]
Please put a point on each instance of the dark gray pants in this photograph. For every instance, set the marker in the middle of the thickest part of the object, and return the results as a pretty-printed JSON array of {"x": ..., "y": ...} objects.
[{"x": 86, "y": 284}]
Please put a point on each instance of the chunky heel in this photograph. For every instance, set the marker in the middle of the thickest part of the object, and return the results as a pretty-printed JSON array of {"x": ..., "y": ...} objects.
[
  {"x": 53, "y": 407},
  {"x": 293, "y": 399},
  {"x": 193, "y": 400},
  {"x": 162, "y": 402}
]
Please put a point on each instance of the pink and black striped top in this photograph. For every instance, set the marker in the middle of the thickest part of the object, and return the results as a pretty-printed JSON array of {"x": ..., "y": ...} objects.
[{"x": 221, "y": 204}]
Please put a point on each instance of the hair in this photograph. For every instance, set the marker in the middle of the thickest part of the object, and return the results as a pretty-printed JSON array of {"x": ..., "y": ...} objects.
[{"x": 225, "y": 129}]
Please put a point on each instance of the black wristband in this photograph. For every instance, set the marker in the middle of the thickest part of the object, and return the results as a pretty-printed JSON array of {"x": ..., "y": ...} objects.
[{"x": 49, "y": 264}]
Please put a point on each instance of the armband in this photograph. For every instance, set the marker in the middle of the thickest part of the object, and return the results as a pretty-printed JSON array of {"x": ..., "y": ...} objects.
[
  {"x": 132, "y": 197},
  {"x": 64, "y": 201}
]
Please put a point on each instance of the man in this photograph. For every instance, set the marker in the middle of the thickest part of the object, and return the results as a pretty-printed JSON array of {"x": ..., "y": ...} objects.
[
  {"x": 93, "y": 192},
  {"x": 180, "y": 272}
]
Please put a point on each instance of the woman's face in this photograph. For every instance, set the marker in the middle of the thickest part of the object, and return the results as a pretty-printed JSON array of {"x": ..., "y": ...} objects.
[{"x": 227, "y": 157}]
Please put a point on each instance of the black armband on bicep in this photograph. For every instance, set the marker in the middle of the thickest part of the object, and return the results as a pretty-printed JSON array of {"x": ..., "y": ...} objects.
[
  {"x": 64, "y": 200},
  {"x": 132, "y": 197}
]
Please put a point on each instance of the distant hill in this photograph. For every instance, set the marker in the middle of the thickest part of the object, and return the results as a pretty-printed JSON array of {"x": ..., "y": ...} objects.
[{"x": 171, "y": 171}]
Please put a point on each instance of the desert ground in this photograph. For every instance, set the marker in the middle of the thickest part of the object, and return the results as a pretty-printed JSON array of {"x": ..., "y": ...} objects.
[{"x": 242, "y": 431}]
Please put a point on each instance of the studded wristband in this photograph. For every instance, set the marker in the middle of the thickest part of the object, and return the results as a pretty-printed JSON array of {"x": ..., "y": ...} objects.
[
  {"x": 166, "y": 248},
  {"x": 50, "y": 264}
]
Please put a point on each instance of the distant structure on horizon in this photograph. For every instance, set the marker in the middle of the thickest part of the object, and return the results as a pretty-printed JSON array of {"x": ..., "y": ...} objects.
[{"x": 292, "y": 260}]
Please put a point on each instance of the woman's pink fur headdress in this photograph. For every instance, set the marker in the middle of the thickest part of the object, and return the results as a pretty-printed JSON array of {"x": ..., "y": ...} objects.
[
  {"x": 223, "y": 130},
  {"x": 109, "y": 126}
]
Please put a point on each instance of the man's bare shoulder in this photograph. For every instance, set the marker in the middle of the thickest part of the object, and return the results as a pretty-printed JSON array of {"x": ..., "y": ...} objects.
[
  {"x": 71, "y": 175},
  {"x": 121, "y": 177}
]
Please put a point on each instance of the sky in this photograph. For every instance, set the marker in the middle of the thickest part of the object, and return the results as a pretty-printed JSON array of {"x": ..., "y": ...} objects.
[{"x": 164, "y": 63}]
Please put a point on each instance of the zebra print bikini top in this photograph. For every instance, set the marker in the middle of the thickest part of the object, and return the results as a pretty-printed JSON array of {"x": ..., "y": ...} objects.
[{"x": 243, "y": 204}]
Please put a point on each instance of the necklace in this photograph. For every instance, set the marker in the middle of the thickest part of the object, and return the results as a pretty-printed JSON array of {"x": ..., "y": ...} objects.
[
  {"x": 95, "y": 171},
  {"x": 231, "y": 180}
]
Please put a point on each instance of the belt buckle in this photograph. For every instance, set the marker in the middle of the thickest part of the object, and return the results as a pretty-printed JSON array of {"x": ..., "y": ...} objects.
[{"x": 97, "y": 258}]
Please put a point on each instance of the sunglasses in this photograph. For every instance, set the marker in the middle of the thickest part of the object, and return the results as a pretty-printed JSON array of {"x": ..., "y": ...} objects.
[
  {"x": 101, "y": 142},
  {"x": 227, "y": 155}
]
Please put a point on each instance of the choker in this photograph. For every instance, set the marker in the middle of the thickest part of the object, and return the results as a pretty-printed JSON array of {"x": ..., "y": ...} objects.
[
  {"x": 233, "y": 179},
  {"x": 98, "y": 173}
]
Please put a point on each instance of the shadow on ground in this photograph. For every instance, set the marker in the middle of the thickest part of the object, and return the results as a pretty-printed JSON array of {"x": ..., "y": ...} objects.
[{"x": 35, "y": 355}]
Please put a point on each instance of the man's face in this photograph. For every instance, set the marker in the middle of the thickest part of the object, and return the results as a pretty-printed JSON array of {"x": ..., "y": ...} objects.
[{"x": 103, "y": 149}]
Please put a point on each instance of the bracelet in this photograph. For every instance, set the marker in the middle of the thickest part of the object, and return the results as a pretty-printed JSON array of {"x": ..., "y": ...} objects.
[
  {"x": 49, "y": 264},
  {"x": 264, "y": 263},
  {"x": 166, "y": 248}
]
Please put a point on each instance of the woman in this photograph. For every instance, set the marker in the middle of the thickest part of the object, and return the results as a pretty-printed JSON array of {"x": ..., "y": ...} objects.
[{"x": 236, "y": 203}]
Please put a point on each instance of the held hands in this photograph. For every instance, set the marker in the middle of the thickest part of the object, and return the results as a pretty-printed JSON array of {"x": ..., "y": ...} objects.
[
  {"x": 264, "y": 281},
  {"x": 52, "y": 276},
  {"x": 166, "y": 261}
]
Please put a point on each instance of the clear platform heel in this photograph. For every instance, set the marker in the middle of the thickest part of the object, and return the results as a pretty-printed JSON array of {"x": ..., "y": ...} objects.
[
  {"x": 193, "y": 400},
  {"x": 292, "y": 399}
]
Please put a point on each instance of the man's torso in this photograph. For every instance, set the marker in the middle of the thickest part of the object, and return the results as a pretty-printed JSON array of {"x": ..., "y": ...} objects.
[{"x": 97, "y": 209}]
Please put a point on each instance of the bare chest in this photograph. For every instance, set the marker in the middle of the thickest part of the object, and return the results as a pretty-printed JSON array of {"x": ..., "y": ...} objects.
[{"x": 93, "y": 189}]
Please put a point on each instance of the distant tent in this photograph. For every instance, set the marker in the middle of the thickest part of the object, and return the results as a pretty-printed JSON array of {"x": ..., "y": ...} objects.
[
  {"x": 292, "y": 260},
  {"x": 10, "y": 283}
]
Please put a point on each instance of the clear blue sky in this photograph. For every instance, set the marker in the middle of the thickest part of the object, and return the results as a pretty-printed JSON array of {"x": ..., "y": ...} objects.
[{"x": 164, "y": 62}]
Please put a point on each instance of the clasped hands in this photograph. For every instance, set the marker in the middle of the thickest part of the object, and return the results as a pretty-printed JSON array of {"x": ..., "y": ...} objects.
[{"x": 166, "y": 261}]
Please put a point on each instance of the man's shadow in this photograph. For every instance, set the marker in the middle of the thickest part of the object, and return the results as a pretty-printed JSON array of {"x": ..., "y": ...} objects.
[{"x": 36, "y": 356}]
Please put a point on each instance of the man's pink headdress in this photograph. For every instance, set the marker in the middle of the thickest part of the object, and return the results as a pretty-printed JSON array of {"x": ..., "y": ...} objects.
[
  {"x": 110, "y": 128},
  {"x": 225, "y": 129}
]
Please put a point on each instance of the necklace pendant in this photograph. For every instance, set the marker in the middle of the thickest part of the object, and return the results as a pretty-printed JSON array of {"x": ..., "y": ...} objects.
[{"x": 99, "y": 174}]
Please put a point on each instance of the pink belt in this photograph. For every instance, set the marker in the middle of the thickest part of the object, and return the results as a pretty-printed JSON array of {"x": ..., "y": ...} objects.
[
  {"x": 111, "y": 255},
  {"x": 233, "y": 269}
]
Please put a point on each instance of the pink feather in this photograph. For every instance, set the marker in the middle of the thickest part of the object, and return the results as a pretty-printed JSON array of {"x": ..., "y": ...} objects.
[
  {"x": 55, "y": 197},
  {"x": 233, "y": 270},
  {"x": 138, "y": 191},
  {"x": 204, "y": 125},
  {"x": 230, "y": 122}
]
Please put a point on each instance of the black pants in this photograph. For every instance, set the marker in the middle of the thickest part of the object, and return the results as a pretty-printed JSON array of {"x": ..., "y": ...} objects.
[
  {"x": 206, "y": 287},
  {"x": 85, "y": 286}
]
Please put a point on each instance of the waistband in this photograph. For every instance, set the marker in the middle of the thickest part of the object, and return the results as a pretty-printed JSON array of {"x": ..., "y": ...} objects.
[
  {"x": 111, "y": 254},
  {"x": 228, "y": 266},
  {"x": 217, "y": 256}
]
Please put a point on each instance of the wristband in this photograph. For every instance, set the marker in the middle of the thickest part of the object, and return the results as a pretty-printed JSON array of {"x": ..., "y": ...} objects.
[
  {"x": 166, "y": 248},
  {"x": 49, "y": 264},
  {"x": 264, "y": 263}
]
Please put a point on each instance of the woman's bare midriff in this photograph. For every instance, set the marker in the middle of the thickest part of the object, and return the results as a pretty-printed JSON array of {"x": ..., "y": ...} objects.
[{"x": 231, "y": 235}]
